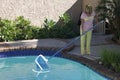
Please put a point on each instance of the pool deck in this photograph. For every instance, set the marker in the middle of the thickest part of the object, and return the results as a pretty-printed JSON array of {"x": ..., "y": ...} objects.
[{"x": 99, "y": 43}]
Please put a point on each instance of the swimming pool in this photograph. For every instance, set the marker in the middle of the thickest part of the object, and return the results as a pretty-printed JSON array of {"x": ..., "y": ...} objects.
[{"x": 20, "y": 68}]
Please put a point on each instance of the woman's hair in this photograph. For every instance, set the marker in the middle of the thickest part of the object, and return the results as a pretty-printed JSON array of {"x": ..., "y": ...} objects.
[{"x": 88, "y": 9}]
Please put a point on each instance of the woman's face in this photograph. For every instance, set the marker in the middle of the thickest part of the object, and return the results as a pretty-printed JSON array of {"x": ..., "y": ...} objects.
[{"x": 88, "y": 9}]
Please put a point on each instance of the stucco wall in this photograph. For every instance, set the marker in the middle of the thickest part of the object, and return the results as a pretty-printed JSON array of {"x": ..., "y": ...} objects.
[{"x": 37, "y": 10}]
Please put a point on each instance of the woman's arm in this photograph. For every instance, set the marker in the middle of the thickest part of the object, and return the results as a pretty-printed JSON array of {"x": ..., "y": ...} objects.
[{"x": 81, "y": 26}]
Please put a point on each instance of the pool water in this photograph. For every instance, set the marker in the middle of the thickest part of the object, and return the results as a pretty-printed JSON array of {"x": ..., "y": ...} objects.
[{"x": 20, "y": 68}]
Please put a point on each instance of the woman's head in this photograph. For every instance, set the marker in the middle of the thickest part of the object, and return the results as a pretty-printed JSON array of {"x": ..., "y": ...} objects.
[{"x": 88, "y": 9}]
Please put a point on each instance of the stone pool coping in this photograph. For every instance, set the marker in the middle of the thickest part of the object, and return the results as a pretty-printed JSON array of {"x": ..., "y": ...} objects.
[{"x": 43, "y": 44}]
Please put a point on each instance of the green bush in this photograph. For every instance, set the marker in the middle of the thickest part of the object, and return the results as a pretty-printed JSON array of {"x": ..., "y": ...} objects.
[
  {"x": 8, "y": 30},
  {"x": 110, "y": 10},
  {"x": 18, "y": 29},
  {"x": 24, "y": 28},
  {"x": 21, "y": 29},
  {"x": 65, "y": 28},
  {"x": 35, "y": 32},
  {"x": 52, "y": 29},
  {"x": 49, "y": 23},
  {"x": 46, "y": 32},
  {"x": 111, "y": 58},
  {"x": 65, "y": 18}
]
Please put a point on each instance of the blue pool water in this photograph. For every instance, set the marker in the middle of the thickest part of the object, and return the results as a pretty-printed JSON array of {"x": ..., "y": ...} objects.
[{"x": 20, "y": 68}]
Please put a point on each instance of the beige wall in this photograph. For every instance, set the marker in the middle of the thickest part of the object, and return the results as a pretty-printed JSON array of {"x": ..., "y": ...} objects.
[{"x": 37, "y": 10}]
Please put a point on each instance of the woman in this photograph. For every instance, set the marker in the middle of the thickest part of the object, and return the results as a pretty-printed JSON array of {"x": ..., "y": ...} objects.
[{"x": 87, "y": 18}]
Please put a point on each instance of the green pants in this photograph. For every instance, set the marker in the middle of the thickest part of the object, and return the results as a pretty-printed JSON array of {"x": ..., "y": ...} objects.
[{"x": 85, "y": 42}]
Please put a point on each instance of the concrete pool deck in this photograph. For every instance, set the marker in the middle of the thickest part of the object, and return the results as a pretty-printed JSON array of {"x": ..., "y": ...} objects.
[{"x": 99, "y": 43}]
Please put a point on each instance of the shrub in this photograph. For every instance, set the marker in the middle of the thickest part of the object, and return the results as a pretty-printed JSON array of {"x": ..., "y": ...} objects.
[
  {"x": 21, "y": 29},
  {"x": 110, "y": 10},
  {"x": 111, "y": 58},
  {"x": 65, "y": 28},
  {"x": 35, "y": 32},
  {"x": 18, "y": 29},
  {"x": 8, "y": 30},
  {"x": 24, "y": 28},
  {"x": 46, "y": 32},
  {"x": 65, "y": 18}
]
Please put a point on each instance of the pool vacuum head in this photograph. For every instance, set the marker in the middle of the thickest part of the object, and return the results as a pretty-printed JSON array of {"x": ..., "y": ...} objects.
[{"x": 41, "y": 63}]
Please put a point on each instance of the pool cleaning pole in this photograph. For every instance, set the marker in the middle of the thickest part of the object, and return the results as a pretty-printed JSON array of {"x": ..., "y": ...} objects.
[{"x": 75, "y": 39}]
